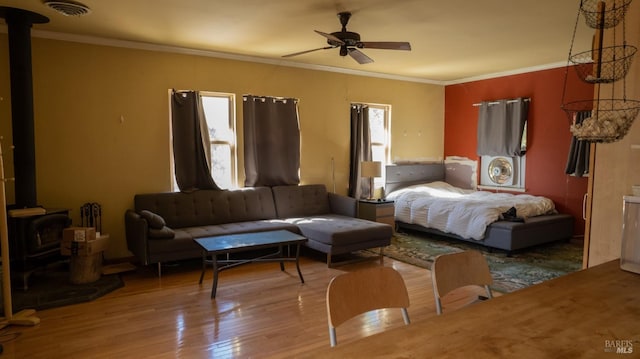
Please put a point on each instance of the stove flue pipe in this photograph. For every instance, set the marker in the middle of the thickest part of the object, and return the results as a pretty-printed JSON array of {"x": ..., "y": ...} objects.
[{"x": 19, "y": 23}]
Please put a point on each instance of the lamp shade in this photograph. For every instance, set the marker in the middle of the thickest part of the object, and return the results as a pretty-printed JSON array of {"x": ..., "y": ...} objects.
[{"x": 371, "y": 168}]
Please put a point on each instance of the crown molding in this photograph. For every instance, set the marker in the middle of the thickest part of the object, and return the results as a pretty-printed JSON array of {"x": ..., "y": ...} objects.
[
  {"x": 507, "y": 73},
  {"x": 94, "y": 40}
]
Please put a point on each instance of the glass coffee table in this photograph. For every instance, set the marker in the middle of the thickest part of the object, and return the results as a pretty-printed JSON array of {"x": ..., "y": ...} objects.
[{"x": 233, "y": 243}]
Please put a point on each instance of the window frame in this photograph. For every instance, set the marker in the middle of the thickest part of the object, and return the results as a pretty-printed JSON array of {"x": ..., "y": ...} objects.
[
  {"x": 231, "y": 100},
  {"x": 379, "y": 182},
  {"x": 232, "y": 128}
]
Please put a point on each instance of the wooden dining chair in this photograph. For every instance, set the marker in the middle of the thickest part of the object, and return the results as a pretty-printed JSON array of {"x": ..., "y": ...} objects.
[
  {"x": 455, "y": 270},
  {"x": 353, "y": 293}
]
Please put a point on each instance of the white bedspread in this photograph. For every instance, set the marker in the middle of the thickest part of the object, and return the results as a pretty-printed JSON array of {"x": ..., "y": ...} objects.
[{"x": 466, "y": 213}]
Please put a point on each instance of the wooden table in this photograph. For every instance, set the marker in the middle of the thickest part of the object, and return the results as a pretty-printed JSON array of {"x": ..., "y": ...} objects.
[
  {"x": 226, "y": 244},
  {"x": 593, "y": 313}
]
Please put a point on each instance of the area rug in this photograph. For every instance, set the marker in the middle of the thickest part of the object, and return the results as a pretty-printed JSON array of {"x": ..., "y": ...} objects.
[
  {"x": 53, "y": 289},
  {"x": 510, "y": 272}
]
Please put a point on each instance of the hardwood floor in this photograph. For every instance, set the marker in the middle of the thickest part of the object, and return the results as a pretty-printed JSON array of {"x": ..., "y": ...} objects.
[{"x": 259, "y": 312}]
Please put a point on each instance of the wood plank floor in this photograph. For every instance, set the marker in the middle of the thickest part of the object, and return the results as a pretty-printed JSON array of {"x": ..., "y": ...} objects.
[{"x": 259, "y": 312}]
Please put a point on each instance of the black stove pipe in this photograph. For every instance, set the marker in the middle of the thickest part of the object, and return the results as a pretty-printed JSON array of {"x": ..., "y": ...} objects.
[{"x": 19, "y": 23}]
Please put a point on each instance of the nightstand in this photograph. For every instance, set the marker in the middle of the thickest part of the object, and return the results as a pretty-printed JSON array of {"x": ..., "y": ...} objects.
[{"x": 377, "y": 211}]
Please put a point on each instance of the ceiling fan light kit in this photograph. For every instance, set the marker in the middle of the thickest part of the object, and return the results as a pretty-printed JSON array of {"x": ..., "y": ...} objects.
[{"x": 349, "y": 42}]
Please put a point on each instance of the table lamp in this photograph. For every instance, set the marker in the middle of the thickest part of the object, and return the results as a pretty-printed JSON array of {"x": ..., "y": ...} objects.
[{"x": 371, "y": 169}]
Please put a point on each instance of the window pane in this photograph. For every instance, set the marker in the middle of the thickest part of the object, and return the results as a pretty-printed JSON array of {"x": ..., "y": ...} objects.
[
  {"x": 216, "y": 111},
  {"x": 378, "y": 153},
  {"x": 376, "y": 124},
  {"x": 221, "y": 167}
]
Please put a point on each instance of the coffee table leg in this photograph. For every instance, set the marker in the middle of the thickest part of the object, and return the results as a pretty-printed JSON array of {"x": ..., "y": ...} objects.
[
  {"x": 204, "y": 266},
  {"x": 214, "y": 288},
  {"x": 280, "y": 254},
  {"x": 298, "y": 262}
]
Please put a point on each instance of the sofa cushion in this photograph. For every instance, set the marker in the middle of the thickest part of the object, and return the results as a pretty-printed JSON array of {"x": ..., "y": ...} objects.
[
  {"x": 182, "y": 242},
  {"x": 162, "y": 233},
  {"x": 155, "y": 221},
  {"x": 238, "y": 227},
  {"x": 301, "y": 201},
  {"x": 337, "y": 230},
  {"x": 208, "y": 207}
]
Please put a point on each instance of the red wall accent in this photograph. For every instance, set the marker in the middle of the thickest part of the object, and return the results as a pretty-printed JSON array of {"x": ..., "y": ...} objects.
[{"x": 548, "y": 137}]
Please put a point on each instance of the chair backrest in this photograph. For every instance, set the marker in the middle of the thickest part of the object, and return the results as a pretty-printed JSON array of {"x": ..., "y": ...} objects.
[
  {"x": 454, "y": 270},
  {"x": 357, "y": 292}
]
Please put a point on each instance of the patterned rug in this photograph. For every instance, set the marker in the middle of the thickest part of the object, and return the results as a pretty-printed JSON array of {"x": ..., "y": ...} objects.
[{"x": 510, "y": 273}]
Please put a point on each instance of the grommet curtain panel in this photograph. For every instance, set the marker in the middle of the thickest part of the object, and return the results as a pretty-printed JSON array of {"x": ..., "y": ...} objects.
[
  {"x": 191, "y": 149},
  {"x": 578, "y": 159},
  {"x": 501, "y": 125},
  {"x": 360, "y": 145},
  {"x": 271, "y": 141}
]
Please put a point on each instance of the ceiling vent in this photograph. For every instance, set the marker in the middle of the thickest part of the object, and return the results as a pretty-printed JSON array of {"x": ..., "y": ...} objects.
[{"x": 68, "y": 8}]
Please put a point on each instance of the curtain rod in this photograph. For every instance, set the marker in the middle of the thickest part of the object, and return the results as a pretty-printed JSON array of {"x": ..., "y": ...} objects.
[
  {"x": 496, "y": 102},
  {"x": 270, "y": 98}
]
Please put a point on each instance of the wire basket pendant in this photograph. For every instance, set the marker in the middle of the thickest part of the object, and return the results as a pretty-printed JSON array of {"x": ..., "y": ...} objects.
[
  {"x": 596, "y": 18},
  {"x": 609, "y": 123},
  {"x": 602, "y": 119}
]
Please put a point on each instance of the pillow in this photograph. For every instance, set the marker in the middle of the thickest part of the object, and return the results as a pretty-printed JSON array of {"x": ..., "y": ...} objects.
[
  {"x": 163, "y": 233},
  {"x": 154, "y": 220}
]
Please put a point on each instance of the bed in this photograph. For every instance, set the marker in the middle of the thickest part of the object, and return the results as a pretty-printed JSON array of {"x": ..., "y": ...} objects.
[{"x": 463, "y": 213}]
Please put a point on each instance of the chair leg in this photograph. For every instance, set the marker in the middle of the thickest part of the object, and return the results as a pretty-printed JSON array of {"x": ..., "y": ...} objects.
[
  {"x": 489, "y": 294},
  {"x": 405, "y": 315},
  {"x": 332, "y": 336},
  {"x": 438, "y": 306},
  {"x": 159, "y": 269}
]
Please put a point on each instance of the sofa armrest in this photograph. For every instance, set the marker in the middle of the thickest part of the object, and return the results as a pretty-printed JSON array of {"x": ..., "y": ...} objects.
[
  {"x": 339, "y": 204},
  {"x": 137, "y": 232}
]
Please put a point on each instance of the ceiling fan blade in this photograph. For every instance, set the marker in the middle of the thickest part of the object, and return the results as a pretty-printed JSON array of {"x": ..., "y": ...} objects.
[
  {"x": 330, "y": 37},
  {"x": 359, "y": 56},
  {"x": 307, "y": 51},
  {"x": 387, "y": 45}
]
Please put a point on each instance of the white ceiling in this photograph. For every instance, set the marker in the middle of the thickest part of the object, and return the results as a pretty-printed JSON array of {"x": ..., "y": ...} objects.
[{"x": 452, "y": 40}]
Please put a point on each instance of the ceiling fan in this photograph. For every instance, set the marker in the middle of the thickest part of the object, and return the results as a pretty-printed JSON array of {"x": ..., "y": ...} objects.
[{"x": 349, "y": 43}]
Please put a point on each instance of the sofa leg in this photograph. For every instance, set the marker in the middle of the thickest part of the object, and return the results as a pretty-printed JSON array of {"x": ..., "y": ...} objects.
[
  {"x": 328, "y": 260},
  {"x": 159, "y": 269},
  {"x": 381, "y": 255}
]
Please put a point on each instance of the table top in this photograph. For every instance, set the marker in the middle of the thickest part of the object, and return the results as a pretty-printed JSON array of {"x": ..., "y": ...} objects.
[
  {"x": 244, "y": 241},
  {"x": 586, "y": 314}
]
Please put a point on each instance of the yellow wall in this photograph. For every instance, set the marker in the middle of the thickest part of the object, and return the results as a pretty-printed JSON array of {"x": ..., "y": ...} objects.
[{"x": 102, "y": 120}]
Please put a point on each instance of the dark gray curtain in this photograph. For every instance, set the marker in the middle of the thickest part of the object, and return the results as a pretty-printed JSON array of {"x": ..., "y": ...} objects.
[
  {"x": 359, "y": 187},
  {"x": 501, "y": 125},
  {"x": 271, "y": 141},
  {"x": 578, "y": 159},
  {"x": 191, "y": 150}
]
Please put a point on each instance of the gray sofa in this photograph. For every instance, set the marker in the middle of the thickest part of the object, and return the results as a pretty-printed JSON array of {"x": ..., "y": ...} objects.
[{"x": 161, "y": 226}]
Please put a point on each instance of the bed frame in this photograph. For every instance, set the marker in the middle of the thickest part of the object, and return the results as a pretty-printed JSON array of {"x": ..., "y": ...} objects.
[{"x": 504, "y": 235}]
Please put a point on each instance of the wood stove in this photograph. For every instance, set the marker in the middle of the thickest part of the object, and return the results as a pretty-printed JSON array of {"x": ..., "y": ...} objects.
[{"x": 34, "y": 241}]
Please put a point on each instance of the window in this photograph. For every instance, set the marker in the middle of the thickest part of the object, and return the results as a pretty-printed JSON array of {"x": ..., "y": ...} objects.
[
  {"x": 380, "y": 129},
  {"x": 219, "y": 111}
]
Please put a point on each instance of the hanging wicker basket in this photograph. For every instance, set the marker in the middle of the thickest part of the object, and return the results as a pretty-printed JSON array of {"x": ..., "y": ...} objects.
[
  {"x": 610, "y": 123},
  {"x": 614, "y": 12},
  {"x": 615, "y": 62}
]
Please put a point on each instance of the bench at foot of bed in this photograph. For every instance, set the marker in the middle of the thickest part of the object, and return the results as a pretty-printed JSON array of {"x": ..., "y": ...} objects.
[{"x": 512, "y": 236}]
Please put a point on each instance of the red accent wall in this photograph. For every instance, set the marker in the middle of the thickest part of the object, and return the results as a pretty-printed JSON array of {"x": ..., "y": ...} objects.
[{"x": 548, "y": 137}]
